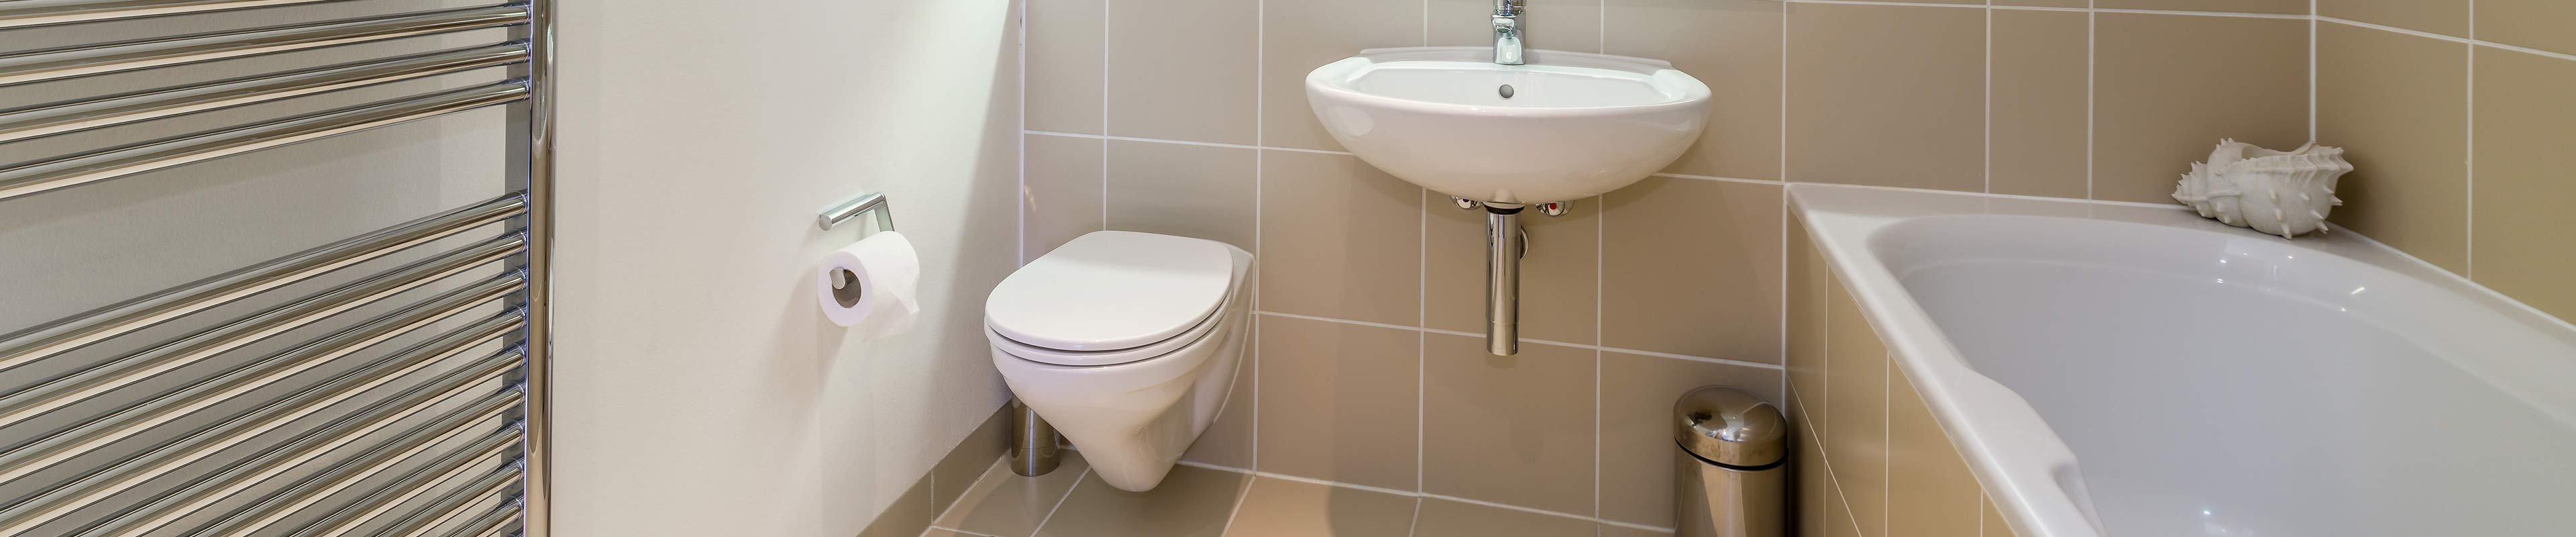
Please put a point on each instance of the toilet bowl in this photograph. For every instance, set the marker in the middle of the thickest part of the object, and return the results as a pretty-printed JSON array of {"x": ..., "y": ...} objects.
[{"x": 1128, "y": 343}]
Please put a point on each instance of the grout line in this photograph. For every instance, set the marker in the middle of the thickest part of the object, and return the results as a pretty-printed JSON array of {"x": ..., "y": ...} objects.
[
  {"x": 1019, "y": 203},
  {"x": 1715, "y": 178},
  {"x": 2092, "y": 57},
  {"x": 1241, "y": 497},
  {"x": 1414, "y": 526},
  {"x": 1990, "y": 101},
  {"x": 2312, "y": 70},
  {"x": 970, "y": 485},
  {"x": 1104, "y": 113},
  {"x": 1784, "y": 93},
  {"x": 1537, "y": 341},
  {"x": 1886, "y": 430},
  {"x": 2230, "y": 14},
  {"x": 1260, "y": 129},
  {"x": 2455, "y": 39},
  {"x": 2469, "y": 172},
  {"x": 1059, "y": 501},
  {"x": 1596, "y": 432},
  {"x": 926, "y": 531},
  {"x": 1422, "y": 316},
  {"x": 1425, "y": 495}
]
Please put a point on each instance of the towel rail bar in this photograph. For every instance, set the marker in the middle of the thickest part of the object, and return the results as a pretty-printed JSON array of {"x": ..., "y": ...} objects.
[
  {"x": 242, "y": 476},
  {"x": 127, "y": 317},
  {"x": 108, "y": 10},
  {"x": 115, "y": 162},
  {"x": 56, "y": 119},
  {"x": 80, "y": 384},
  {"x": 59, "y": 63}
]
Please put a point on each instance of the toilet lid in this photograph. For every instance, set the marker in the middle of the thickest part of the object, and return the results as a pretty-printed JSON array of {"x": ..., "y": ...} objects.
[{"x": 1111, "y": 290}]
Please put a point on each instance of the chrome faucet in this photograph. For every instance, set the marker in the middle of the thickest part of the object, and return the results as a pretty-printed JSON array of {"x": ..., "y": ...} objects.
[{"x": 1507, "y": 32}]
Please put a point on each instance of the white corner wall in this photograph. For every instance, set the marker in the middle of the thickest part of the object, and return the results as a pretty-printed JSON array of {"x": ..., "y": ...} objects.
[{"x": 699, "y": 391}]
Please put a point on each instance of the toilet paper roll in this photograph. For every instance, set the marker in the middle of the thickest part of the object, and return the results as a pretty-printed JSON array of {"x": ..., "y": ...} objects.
[{"x": 874, "y": 281}]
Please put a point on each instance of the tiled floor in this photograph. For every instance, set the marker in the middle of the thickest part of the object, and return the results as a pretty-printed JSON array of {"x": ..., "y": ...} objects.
[{"x": 1204, "y": 502}]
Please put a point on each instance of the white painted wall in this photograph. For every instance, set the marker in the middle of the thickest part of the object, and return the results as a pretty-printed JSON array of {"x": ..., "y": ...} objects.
[{"x": 700, "y": 392}]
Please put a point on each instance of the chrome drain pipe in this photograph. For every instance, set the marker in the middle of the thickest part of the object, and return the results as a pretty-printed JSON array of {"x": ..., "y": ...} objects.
[{"x": 1504, "y": 245}]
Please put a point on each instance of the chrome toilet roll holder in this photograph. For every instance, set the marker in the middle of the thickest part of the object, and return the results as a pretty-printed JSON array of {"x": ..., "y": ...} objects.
[{"x": 871, "y": 202}]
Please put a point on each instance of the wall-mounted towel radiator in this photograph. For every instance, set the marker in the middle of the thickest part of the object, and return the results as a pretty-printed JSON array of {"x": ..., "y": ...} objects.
[{"x": 317, "y": 394}]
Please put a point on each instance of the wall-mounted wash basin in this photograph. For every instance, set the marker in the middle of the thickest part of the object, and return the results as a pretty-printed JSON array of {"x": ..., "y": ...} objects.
[{"x": 1549, "y": 128}]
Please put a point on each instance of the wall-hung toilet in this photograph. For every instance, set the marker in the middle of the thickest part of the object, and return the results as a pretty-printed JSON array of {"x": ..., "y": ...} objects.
[{"x": 1126, "y": 342}]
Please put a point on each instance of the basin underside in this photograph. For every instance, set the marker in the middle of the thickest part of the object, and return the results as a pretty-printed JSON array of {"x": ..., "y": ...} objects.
[{"x": 1574, "y": 125}]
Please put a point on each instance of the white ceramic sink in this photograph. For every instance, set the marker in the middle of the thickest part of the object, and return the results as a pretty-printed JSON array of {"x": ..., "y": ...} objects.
[{"x": 1576, "y": 125}]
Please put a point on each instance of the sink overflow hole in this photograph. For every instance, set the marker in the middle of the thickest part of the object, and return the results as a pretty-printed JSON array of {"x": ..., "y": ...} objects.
[{"x": 1506, "y": 90}]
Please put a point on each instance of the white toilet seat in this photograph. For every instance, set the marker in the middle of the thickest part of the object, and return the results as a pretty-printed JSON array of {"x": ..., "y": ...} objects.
[
  {"x": 1129, "y": 343},
  {"x": 1150, "y": 351}
]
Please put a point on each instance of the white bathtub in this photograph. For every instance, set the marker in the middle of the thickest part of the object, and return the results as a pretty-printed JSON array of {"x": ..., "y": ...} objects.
[{"x": 2139, "y": 371}]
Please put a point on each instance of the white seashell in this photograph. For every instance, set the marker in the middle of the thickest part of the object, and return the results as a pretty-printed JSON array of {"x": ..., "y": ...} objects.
[{"x": 2217, "y": 188}]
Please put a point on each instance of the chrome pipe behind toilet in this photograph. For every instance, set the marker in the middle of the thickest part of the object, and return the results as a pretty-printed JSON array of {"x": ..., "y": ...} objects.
[{"x": 1034, "y": 450}]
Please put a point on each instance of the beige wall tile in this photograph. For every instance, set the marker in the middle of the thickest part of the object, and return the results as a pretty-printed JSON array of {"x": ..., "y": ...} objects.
[
  {"x": 1283, "y": 508},
  {"x": 1191, "y": 502},
  {"x": 908, "y": 515},
  {"x": 2540, "y": 24},
  {"x": 1929, "y": 490},
  {"x": 1187, "y": 190},
  {"x": 936, "y": 532},
  {"x": 1229, "y": 441},
  {"x": 966, "y": 463},
  {"x": 2446, "y": 17},
  {"x": 1808, "y": 278},
  {"x": 1838, "y": 517},
  {"x": 1573, "y": 25},
  {"x": 1607, "y": 530},
  {"x": 1339, "y": 239},
  {"x": 1693, "y": 267},
  {"x": 1559, "y": 275},
  {"x": 2040, "y": 108},
  {"x": 1856, "y": 395},
  {"x": 1444, "y": 518},
  {"x": 2045, "y": 3},
  {"x": 2525, "y": 130},
  {"x": 1340, "y": 401},
  {"x": 1637, "y": 394},
  {"x": 2168, "y": 87},
  {"x": 1060, "y": 194},
  {"x": 1734, "y": 46},
  {"x": 1183, "y": 69},
  {"x": 1994, "y": 523},
  {"x": 1003, "y": 504},
  {"x": 1814, "y": 484},
  {"x": 2294, "y": 7},
  {"x": 1529, "y": 419},
  {"x": 1863, "y": 110},
  {"x": 1298, "y": 37},
  {"x": 2399, "y": 103},
  {"x": 1064, "y": 62}
]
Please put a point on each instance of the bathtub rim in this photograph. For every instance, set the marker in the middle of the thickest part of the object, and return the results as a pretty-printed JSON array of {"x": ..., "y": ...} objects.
[{"x": 2025, "y": 468}]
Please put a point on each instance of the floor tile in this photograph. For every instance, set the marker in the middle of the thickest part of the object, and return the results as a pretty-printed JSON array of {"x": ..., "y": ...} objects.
[
  {"x": 1283, "y": 508},
  {"x": 1003, "y": 504},
  {"x": 1191, "y": 502},
  {"x": 1444, "y": 518},
  {"x": 1624, "y": 531}
]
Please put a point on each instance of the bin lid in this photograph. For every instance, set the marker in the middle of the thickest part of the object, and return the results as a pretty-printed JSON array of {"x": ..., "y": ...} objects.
[{"x": 1730, "y": 427}]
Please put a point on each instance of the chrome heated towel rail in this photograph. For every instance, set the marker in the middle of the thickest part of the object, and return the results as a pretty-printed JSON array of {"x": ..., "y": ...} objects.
[{"x": 393, "y": 383}]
